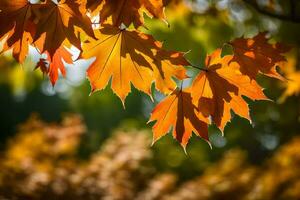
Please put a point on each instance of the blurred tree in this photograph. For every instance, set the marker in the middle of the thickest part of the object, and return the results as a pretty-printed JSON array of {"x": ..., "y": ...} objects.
[{"x": 40, "y": 162}]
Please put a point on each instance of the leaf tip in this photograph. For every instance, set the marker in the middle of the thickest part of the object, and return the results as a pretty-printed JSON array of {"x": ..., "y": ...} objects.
[
  {"x": 209, "y": 144},
  {"x": 184, "y": 149},
  {"x": 154, "y": 140}
]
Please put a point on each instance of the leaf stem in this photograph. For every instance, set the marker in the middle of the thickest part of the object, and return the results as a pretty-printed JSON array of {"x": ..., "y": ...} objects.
[
  {"x": 199, "y": 68},
  {"x": 181, "y": 85}
]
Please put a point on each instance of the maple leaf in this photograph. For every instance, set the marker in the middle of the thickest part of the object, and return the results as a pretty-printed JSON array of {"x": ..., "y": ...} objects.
[
  {"x": 220, "y": 87},
  {"x": 256, "y": 55},
  {"x": 42, "y": 65},
  {"x": 178, "y": 111},
  {"x": 128, "y": 11},
  {"x": 132, "y": 57},
  {"x": 55, "y": 63},
  {"x": 58, "y": 22},
  {"x": 16, "y": 28}
]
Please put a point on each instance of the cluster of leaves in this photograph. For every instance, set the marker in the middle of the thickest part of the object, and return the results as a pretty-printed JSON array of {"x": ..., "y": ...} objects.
[
  {"x": 126, "y": 56},
  {"x": 40, "y": 162}
]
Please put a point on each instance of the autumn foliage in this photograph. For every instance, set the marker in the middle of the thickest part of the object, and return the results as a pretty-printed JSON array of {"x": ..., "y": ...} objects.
[
  {"x": 126, "y": 56},
  {"x": 41, "y": 162}
]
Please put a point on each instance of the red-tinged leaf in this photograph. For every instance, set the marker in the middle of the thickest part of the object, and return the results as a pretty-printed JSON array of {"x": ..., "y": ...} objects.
[
  {"x": 221, "y": 88},
  {"x": 16, "y": 28},
  {"x": 55, "y": 64},
  {"x": 256, "y": 55},
  {"x": 57, "y": 24},
  {"x": 179, "y": 112},
  {"x": 43, "y": 66},
  {"x": 127, "y": 11}
]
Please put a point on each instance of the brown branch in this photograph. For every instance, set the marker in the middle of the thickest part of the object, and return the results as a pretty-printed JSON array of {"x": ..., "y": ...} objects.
[{"x": 291, "y": 18}]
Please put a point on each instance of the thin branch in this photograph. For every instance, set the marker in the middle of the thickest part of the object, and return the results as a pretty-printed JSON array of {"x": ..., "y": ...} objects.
[
  {"x": 199, "y": 68},
  {"x": 291, "y": 18}
]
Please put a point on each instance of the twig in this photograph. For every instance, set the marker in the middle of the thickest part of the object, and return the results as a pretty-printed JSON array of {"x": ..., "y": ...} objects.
[
  {"x": 199, "y": 68},
  {"x": 291, "y": 18}
]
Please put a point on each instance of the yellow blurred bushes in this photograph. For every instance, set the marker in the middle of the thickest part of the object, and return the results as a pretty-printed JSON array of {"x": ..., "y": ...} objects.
[{"x": 41, "y": 162}]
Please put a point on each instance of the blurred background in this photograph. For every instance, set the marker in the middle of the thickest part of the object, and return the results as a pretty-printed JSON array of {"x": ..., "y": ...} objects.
[{"x": 60, "y": 143}]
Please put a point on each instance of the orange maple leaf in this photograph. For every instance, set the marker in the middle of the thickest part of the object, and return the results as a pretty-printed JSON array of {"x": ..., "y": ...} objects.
[
  {"x": 57, "y": 23},
  {"x": 220, "y": 87},
  {"x": 128, "y": 11},
  {"x": 55, "y": 63},
  {"x": 178, "y": 111},
  {"x": 256, "y": 55},
  {"x": 16, "y": 28},
  {"x": 132, "y": 57}
]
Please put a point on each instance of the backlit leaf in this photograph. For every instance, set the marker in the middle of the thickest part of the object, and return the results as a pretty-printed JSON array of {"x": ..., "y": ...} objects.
[
  {"x": 132, "y": 57},
  {"x": 178, "y": 111},
  {"x": 220, "y": 89}
]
